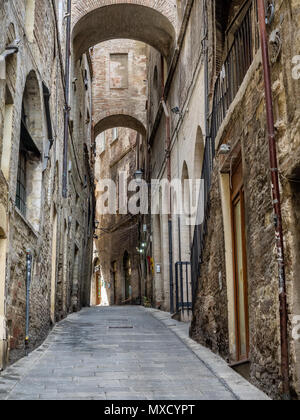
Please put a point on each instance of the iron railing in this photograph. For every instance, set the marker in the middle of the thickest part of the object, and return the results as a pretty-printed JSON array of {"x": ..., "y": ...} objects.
[
  {"x": 203, "y": 206},
  {"x": 183, "y": 290},
  {"x": 236, "y": 65}
]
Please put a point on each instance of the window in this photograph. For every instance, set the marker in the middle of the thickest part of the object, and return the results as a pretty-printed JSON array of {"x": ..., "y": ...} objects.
[
  {"x": 21, "y": 182},
  {"x": 30, "y": 165},
  {"x": 60, "y": 14},
  {"x": 115, "y": 134},
  {"x": 29, "y": 19},
  {"x": 179, "y": 13},
  {"x": 119, "y": 71},
  {"x": 26, "y": 152},
  {"x": 7, "y": 134},
  {"x": 102, "y": 143},
  {"x": 10, "y": 70}
]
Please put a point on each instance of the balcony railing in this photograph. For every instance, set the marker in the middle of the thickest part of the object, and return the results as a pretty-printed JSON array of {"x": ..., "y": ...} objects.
[
  {"x": 235, "y": 67},
  {"x": 234, "y": 70}
]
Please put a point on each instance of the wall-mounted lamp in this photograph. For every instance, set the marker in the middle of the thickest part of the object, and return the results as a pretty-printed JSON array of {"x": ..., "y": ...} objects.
[
  {"x": 138, "y": 176},
  {"x": 270, "y": 12},
  {"x": 225, "y": 149},
  {"x": 176, "y": 111}
]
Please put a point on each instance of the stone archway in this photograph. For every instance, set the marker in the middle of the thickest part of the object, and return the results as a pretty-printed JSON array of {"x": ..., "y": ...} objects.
[
  {"x": 119, "y": 120},
  {"x": 150, "y": 21}
]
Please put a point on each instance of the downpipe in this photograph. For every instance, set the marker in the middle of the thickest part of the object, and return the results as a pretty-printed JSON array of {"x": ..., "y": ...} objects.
[
  {"x": 67, "y": 99},
  {"x": 170, "y": 224},
  {"x": 276, "y": 202},
  {"x": 28, "y": 284}
]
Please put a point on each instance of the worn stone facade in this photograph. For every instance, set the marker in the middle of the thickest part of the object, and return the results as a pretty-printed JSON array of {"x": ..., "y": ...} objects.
[
  {"x": 215, "y": 312},
  {"x": 46, "y": 225},
  {"x": 183, "y": 89}
]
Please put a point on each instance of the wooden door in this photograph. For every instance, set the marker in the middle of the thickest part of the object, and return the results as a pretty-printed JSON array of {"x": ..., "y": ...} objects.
[
  {"x": 98, "y": 289},
  {"x": 240, "y": 265}
]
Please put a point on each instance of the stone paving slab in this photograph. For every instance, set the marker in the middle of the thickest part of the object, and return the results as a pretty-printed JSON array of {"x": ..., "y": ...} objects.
[
  {"x": 85, "y": 359},
  {"x": 241, "y": 388}
]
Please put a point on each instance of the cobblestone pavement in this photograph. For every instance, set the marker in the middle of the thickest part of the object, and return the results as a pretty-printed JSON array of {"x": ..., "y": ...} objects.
[{"x": 122, "y": 353}]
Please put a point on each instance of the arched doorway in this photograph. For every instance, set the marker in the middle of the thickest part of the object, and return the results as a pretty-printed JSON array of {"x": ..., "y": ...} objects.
[
  {"x": 158, "y": 261},
  {"x": 98, "y": 288}
]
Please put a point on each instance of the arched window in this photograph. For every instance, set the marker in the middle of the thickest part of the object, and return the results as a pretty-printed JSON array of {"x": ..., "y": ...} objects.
[{"x": 29, "y": 177}]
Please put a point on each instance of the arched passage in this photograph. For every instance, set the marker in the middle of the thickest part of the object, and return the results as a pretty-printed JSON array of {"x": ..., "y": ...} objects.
[
  {"x": 29, "y": 177},
  {"x": 119, "y": 120},
  {"x": 142, "y": 21}
]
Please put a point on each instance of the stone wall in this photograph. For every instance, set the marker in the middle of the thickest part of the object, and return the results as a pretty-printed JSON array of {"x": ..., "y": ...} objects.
[
  {"x": 35, "y": 33},
  {"x": 214, "y": 313},
  {"x": 115, "y": 104},
  {"x": 184, "y": 89}
]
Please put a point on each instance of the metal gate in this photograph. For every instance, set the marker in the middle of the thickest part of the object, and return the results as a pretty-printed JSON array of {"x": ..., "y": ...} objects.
[{"x": 183, "y": 287}]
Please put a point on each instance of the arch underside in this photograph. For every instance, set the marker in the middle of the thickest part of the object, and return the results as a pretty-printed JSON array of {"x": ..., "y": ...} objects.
[
  {"x": 128, "y": 21},
  {"x": 119, "y": 120}
]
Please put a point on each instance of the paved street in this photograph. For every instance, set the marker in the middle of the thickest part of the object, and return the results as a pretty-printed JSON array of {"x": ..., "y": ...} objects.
[{"x": 122, "y": 353}]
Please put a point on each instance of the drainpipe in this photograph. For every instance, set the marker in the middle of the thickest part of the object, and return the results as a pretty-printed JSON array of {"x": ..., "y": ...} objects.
[
  {"x": 28, "y": 283},
  {"x": 276, "y": 203},
  {"x": 170, "y": 227},
  {"x": 67, "y": 95},
  {"x": 10, "y": 50}
]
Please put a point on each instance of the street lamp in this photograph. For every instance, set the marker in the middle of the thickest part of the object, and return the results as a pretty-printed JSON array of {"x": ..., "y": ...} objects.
[{"x": 138, "y": 176}]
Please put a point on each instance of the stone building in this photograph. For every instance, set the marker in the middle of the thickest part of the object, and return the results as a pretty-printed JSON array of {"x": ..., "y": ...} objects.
[
  {"x": 236, "y": 306},
  {"x": 36, "y": 221}
]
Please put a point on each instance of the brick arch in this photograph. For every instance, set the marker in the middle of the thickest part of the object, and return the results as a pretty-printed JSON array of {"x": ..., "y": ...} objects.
[
  {"x": 150, "y": 21},
  {"x": 119, "y": 120}
]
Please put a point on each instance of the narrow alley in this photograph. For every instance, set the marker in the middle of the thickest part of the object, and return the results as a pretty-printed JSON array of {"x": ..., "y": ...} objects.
[
  {"x": 149, "y": 199},
  {"x": 122, "y": 353}
]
